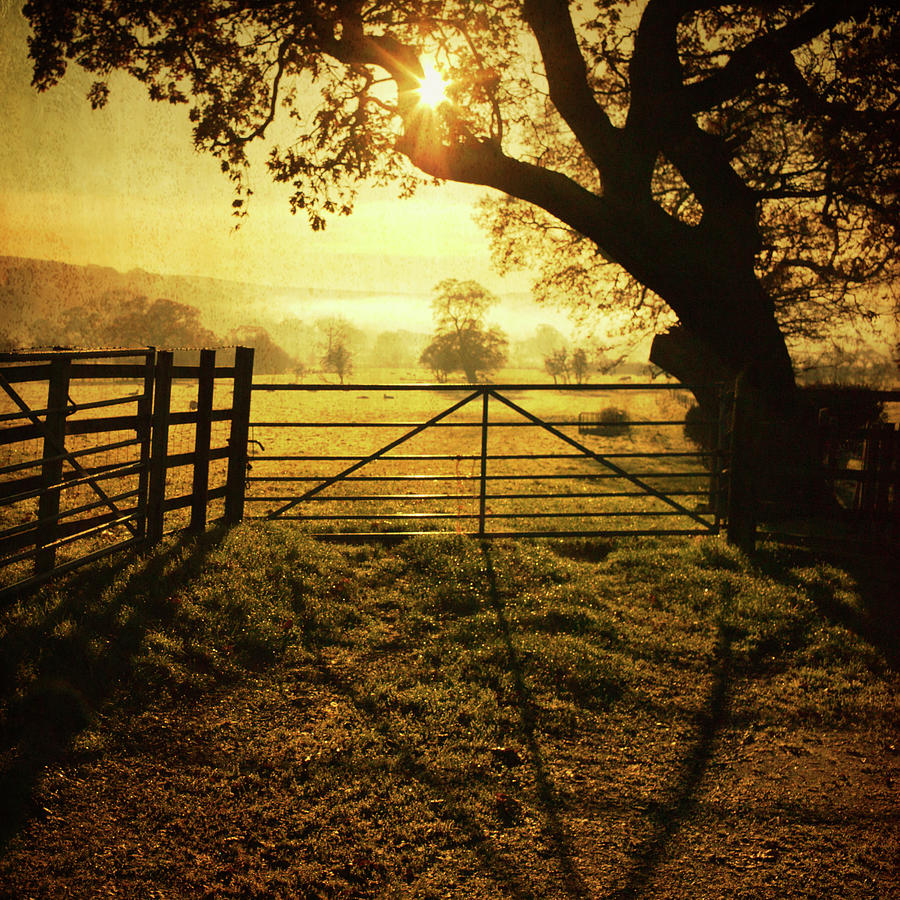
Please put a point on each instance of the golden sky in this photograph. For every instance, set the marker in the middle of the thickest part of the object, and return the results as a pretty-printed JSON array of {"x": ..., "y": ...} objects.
[{"x": 123, "y": 187}]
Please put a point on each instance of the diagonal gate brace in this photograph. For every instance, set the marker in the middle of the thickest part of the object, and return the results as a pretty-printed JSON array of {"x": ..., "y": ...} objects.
[
  {"x": 376, "y": 455},
  {"x": 602, "y": 460}
]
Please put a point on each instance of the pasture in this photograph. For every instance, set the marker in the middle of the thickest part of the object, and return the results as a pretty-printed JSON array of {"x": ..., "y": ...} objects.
[{"x": 255, "y": 713}]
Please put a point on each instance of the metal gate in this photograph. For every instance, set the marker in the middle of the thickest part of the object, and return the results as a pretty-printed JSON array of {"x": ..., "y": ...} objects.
[{"x": 511, "y": 460}]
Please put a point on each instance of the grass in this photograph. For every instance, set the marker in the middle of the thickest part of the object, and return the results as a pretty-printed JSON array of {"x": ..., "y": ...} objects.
[{"x": 256, "y": 713}]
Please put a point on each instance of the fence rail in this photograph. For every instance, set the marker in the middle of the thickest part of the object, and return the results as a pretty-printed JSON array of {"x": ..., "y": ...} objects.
[{"x": 76, "y": 486}]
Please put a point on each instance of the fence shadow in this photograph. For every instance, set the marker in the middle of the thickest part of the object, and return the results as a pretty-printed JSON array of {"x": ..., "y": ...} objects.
[{"x": 70, "y": 678}]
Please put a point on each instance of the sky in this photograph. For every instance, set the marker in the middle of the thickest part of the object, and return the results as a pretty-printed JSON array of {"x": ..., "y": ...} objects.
[{"x": 124, "y": 187}]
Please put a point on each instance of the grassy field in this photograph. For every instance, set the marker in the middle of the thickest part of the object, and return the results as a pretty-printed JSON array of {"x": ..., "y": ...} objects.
[{"x": 254, "y": 713}]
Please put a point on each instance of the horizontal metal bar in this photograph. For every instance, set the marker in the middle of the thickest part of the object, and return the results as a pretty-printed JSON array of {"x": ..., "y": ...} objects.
[
  {"x": 472, "y": 457},
  {"x": 353, "y": 536},
  {"x": 575, "y": 514},
  {"x": 591, "y": 495},
  {"x": 353, "y": 498},
  {"x": 460, "y": 388},
  {"x": 534, "y": 477},
  {"x": 561, "y": 423}
]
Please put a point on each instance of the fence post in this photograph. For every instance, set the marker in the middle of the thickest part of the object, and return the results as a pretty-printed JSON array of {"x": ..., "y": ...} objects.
[
  {"x": 202, "y": 436},
  {"x": 52, "y": 464},
  {"x": 240, "y": 433},
  {"x": 741, "y": 500},
  {"x": 482, "y": 494},
  {"x": 717, "y": 479},
  {"x": 144, "y": 434},
  {"x": 159, "y": 450}
]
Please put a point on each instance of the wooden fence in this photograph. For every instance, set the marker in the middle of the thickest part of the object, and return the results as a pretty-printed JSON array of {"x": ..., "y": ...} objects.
[
  {"x": 105, "y": 450},
  {"x": 842, "y": 485}
]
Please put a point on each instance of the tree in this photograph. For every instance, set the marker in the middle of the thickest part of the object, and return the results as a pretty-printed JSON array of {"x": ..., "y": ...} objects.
[
  {"x": 735, "y": 163},
  {"x": 268, "y": 357},
  {"x": 580, "y": 366},
  {"x": 557, "y": 365},
  {"x": 337, "y": 355},
  {"x": 462, "y": 341}
]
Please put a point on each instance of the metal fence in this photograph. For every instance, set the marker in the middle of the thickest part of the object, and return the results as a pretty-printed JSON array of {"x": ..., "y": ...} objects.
[{"x": 506, "y": 460}]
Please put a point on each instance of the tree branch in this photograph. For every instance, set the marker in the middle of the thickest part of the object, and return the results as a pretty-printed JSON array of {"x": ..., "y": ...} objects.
[
  {"x": 566, "y": 74},
  {"x": 768, "y": 50}
]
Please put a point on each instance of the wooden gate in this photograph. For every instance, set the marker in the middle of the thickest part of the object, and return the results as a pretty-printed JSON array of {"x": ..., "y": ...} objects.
[{"x": 102, "y": 450}]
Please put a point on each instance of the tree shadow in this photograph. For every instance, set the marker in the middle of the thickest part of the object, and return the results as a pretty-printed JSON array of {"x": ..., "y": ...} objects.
[
  {"x": 555, "y": 828},
  {"x": 876, "y": 579},
  {"x": 447, "y": 792},
  {"x": 76, "y": 657}
]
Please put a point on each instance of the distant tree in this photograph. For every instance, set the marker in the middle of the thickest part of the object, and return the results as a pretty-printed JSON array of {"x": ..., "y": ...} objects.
[
  {"x": 396, "y": 348},
  {"x": 300, "y": 339},
  {"x": 161, "y": 323},
  {"x": 441, "y": 356},
  {"x": 268, "y": 356},
  {"x": 557, "y": 365},
  {"x": 532, "y": 351},
  {"x": 339, "y": 360},
  {"x": 580, "y": 366},
  {"x": 462, "y": 341},
  {"x": 337, "y": 355}
]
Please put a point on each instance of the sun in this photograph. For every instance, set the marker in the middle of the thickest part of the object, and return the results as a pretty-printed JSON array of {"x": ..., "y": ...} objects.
[{"x": 432, "y": 87}]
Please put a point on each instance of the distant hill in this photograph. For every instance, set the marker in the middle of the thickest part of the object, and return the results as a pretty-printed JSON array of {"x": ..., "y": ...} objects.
[{"x": 35, "y": 289}]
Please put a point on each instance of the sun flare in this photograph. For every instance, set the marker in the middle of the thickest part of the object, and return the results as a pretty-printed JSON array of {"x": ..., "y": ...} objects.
[{"x": 432, "y": 87}]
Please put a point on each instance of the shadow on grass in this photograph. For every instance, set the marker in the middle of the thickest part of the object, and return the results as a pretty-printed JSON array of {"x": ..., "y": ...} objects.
[
  {"x": 669, "y": 817},
  {"x": 447, "y": 792},
  {"x": 556, "y": 830},
  {"x": 72, "y": 660},
  {"x": 666, "y": 819},
  {"x": 877, "y": 581}
]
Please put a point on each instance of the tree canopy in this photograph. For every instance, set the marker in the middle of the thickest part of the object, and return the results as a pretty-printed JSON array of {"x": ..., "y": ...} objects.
[
  {"x": 735, "y": 163},
  {"x": 462, "y": 340}
]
